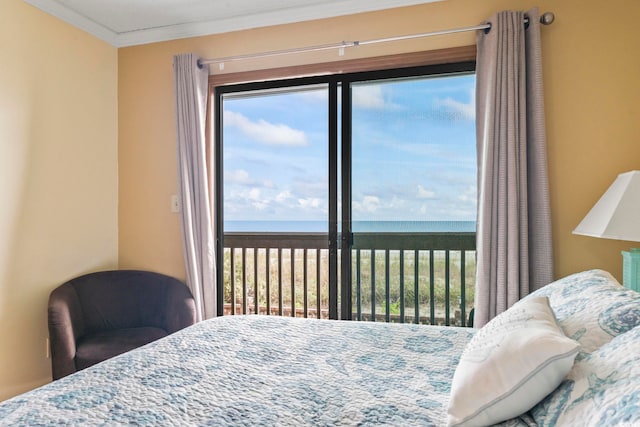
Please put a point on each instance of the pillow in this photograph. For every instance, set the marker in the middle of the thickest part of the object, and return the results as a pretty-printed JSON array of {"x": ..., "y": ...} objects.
[
  {"x": 592, "y": 307},
  {"x": 602, "y": 388},
  {"x": 509, "y": 365}
]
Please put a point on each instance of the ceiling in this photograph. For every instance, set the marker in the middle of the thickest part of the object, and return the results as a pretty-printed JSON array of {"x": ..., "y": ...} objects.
[{"x": 133, "y": 22}]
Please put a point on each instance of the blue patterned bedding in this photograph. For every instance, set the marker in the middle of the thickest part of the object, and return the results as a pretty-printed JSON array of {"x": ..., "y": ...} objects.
[
  {"x": 603, "y": 387},
  {"x": 259, "y": 370},
  {"x": 265, "y": 371}
]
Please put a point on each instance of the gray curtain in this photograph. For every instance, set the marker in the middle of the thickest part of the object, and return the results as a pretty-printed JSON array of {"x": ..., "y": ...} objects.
[
  {"x": 514, "y": 248},
  {"x": 191, "y": 83}
]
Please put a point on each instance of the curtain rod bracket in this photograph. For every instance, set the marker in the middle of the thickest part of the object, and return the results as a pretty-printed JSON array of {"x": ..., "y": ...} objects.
[{"x": 546, "y": 18}]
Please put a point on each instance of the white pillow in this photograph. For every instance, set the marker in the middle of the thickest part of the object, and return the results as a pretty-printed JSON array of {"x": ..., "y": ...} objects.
[{"x": 509, "y": 365}]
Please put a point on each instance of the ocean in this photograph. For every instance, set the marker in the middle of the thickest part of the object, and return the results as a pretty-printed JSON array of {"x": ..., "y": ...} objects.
[{"x": 358, "y": 226}]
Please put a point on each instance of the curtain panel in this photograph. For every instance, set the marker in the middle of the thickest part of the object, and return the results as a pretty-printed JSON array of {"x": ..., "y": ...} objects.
[
  {"x": 514, "y": 247},
  {"x": 191, "y": 83}
]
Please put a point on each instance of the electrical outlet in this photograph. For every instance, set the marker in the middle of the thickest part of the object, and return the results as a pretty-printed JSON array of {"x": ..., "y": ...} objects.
[{"x": 47, "y": 348}]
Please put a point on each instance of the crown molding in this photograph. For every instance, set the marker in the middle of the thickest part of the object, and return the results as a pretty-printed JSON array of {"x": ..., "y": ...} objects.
[
  {"x": 77, "y": 20},
  {"x": 216, "y": 26}
]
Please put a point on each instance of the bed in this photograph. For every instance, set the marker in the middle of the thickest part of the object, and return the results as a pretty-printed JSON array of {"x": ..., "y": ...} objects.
[{"x": 263, "y": 370}]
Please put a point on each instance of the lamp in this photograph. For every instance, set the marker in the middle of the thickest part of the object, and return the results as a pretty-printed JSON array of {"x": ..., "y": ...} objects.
[{"x": 617, "y": 216}]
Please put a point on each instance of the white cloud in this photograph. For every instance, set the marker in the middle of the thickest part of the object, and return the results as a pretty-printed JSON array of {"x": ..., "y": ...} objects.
[
  {"x": 238, "y": 176},
  {"x": 466, "y": 110},
  {"x": 311, "y": 186},
  {"x": 465, "y": 198},
  {"x": 469, "y": 195},
  {"x": 283, "y": 196},
  {"x": 397, "y": 202},
  {"x": 367, "y": 204},
  {"x": 253, "y": 194},
  {"x": 310, "y": 202},
  {"x": 368, "y": 97},
  {"x": 260, "y": 205},
  {"x": 423, "y": 193},
  {"x": 265, "y": 132}
]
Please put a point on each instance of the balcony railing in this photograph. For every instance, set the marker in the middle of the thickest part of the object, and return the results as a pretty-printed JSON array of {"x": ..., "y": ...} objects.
[{"x": 425, "y": 278}]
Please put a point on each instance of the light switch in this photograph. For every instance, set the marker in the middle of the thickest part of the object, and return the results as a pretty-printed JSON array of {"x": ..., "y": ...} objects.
[{"x": 174, "y": 204}]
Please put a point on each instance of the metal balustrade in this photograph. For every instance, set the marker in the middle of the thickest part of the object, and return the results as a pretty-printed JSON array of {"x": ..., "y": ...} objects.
[{"x": 425, "y": 278}]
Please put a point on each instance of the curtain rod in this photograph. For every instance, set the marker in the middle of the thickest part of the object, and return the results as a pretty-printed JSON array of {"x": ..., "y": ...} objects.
[{"x": 546, "y": 18}]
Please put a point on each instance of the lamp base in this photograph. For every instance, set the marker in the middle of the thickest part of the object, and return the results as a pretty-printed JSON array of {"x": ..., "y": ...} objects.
[{"x": 631, "y": 269}]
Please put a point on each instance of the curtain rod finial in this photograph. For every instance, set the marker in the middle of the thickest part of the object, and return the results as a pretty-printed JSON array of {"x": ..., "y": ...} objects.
[{"x": 547, "y": 18}]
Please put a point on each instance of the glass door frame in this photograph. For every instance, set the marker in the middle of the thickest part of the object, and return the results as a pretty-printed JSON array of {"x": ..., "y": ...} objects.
[{"x": 339, "y": 146}]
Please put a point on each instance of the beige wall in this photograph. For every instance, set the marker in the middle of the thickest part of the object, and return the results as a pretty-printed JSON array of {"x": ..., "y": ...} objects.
[
  {"x": 58, "y": 176},
  {"x": 592, "y": 84},
  {"x": 61, "y": 115}
]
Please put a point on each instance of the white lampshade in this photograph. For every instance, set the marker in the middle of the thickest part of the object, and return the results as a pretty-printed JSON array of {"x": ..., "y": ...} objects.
[{"x": 617, "y": 213}]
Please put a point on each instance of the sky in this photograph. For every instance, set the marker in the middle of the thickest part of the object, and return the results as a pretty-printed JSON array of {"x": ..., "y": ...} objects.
[{"x": 414, "y": 152}]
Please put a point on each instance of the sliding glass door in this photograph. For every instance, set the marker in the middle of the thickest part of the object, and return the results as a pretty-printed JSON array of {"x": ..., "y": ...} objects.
[{"x": 348, "y": 196}]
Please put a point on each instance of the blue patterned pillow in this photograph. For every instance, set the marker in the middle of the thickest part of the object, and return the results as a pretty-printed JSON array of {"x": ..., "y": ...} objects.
[
  {"x": 592, "y": 307},
  {"x": 602, "y": 389}
]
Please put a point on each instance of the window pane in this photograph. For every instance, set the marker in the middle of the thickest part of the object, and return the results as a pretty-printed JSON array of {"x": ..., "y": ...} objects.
[
  {"x": 275, "y": 160},
  {"x": 414, "y": 154}
]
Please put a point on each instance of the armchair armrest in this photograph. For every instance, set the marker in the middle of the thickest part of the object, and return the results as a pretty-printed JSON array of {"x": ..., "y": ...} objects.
[
  {"x": 66, "y": 325},
  {"x": 181, "y": 307}
]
